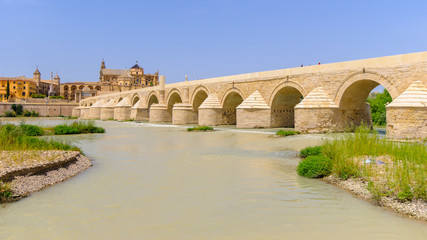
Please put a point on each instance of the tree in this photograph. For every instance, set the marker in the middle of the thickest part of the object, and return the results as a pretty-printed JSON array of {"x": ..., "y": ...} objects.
[
  {"x": 378, "y": 103},
  {"x": 7, "y": 90}
]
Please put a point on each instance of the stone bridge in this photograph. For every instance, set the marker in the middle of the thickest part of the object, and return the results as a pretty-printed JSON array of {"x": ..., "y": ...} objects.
[{"x": 312, "y": 99}]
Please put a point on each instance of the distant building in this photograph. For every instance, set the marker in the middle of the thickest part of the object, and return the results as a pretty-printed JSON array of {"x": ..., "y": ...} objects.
[
  {"x": 23, "y": 87},
  {"x": 110, "y": 80}
]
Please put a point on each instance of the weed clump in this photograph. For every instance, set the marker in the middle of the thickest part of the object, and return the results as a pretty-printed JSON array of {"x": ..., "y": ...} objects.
[
  {"x": 77, "y": 128},
  {"x": 5, "y": 190},
  {"x": 201, "y": 128},
  {"x": 284, "y": 133}
]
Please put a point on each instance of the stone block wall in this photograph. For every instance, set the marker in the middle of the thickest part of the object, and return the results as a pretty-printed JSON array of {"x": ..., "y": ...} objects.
[
  {"x": 43, "y": 109},
  {"x": 315, "y": 120},
  {"x": 122, "y": 113},
  {"x": 210, "y": 116},
  {"x": 140, "y": 114},
  {"x": 253, "y": 118},
  {"x": 182, "y": 115},
  {"x": 407, "y": 122}
]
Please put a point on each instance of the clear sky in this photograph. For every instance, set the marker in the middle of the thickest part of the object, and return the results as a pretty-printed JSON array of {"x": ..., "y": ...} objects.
[{"x": 201, "y": 39}]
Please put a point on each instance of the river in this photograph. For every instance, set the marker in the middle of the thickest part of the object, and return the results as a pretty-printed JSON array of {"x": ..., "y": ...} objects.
[{"x": 161, "y": 182}]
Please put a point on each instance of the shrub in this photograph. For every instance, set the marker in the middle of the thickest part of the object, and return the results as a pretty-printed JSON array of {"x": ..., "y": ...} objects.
[
  {"x": 77, "y": 128},
  {"x": 34, "y": 114},
  {"x": 35, "y": 95},
  {"x": 64, "y": 129},
  {"x": 201, "y": 128},
  {"x": 310, "y": 151},
  {"x": 56, "y": 97},
  {"x": 9, "y": 114},
  {"x": 5, "y": 191},
  {"x": 284, "y": 133},
  {"x": 31, "y": 130},
  {"x": 26, "y": 113},
  {"x": 315, "y": 167},
  {"x": 17, "y": 108}
]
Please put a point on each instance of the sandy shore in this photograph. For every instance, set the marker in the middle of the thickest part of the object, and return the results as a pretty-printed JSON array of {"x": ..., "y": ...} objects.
[
  {"x": 30, "y": 171},
  {"x": 414, "y": 209}
]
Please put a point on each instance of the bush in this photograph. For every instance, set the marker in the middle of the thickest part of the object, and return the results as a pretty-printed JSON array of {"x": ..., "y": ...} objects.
[
  {"x": 35, "y": 95},
  {"x": 9, "y": 114},
  {"x": 56, "y": 97},
  {"x": 64, "y": 129},
  {"x": 315, "y": 167},
  {"x": 31, "y": 130},
  {"x": 77, "y": 128},
  {"x": 284, "y": 133},
  {"x": 310, "y": 151},
  {"x": 17, "y": 108},
  {"x": 5, "y": 191},
  {"x": 201, "y": 128}
]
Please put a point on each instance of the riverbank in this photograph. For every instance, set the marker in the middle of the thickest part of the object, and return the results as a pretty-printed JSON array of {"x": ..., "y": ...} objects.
[
  {"x": 26, "y": 172},
  {"x": 416, "y": 209}
]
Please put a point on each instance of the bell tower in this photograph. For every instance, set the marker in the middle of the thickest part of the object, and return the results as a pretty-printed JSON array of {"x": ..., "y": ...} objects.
[
  {"x": 37, "y": 78},
  {"x": 100, "y": 71}
]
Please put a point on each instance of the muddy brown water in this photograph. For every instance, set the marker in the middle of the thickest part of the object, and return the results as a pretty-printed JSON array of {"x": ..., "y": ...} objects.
[{"x": 161, "y": 182}]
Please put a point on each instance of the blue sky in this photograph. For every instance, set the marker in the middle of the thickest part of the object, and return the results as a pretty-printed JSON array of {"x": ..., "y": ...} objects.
[{"x": 201, "y": 39}]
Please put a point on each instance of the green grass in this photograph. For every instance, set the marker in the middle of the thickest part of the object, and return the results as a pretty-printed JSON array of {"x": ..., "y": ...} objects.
[
  {"x": 200, "y": 128},
  {"x": 78, "y": 127},
  {"x": 14, "y": 137},
  {"x": 284, "y": 133},
  {"x": 403, "y": 174}
]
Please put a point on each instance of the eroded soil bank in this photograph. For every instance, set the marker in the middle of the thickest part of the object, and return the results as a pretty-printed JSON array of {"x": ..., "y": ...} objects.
[{"x": 26, "y": 172}]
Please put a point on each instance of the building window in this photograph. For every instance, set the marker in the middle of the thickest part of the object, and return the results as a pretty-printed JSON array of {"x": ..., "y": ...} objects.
[
  {"x": 23, "y": 93},
  {"x": 13, "y": 87},
  {"x": 24, "y": 87}
]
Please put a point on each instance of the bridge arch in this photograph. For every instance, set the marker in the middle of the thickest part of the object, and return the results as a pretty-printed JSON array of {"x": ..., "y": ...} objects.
[
  {"x": 232, "y": 98},
  {"x": 365, "y": 76},
  {"x": 152, "y": 98},
  {"x": 283, "y": 101},
  {"x": 174, "y": 96},
  {"x": 352, "y": 94},
  {"x": 198, "y": 97},
  {"x": 135, "y": 98}
]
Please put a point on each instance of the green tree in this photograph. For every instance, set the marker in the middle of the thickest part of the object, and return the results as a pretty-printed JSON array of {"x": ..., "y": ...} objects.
[
  {"x": 378, "y": 103},
  {"x": 7, "y": 90}
]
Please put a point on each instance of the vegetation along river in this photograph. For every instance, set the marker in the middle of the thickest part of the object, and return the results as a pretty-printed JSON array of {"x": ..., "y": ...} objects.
[{"x": 161, "y": 182}]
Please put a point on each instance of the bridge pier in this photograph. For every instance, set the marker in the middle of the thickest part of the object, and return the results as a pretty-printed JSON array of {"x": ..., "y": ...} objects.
[
  {"x": 253, "y": 112},
  {"x": 76, "y": 112},
  {"x": 406, "y": 115},
  {"x": 84, "y": 113},
  {"x": 107, "y": 110},
  {"x": 210, "y": 112},
  {"x": 159, "y": 113},
  {"x": 183, "y": 114},
  {"x": 139, "y": 114},
  {"x": 316, "y": 113},
  {"x": 95, "y": 110},
  {"x": 122, "y": 110}
]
